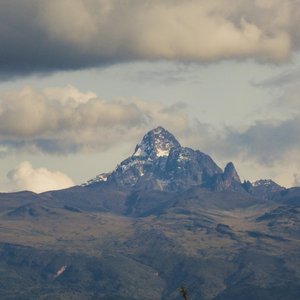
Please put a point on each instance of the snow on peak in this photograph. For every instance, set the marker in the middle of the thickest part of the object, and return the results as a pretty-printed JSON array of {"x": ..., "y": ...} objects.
[
  {"x": 103, "y": 176},
  {"x": 162, "y": 152},
  {"x": 267, "y": 183},
  {"x": 263, "y": 182},
  {"x": 99, "y": 178},
  {"x": 156, "y": 143}
]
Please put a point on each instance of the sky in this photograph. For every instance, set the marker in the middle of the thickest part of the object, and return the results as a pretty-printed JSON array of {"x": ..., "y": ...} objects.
[{"x": 81, "y": 82}]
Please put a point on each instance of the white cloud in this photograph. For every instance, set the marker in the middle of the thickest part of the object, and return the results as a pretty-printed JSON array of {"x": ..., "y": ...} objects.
[
  {"x": 25, "y": 177},
  {"x": 31, "y": 113},
  {"x": 109, "y": 31},
  {"x": 188, "y": 30},
  {"x": 63, "y": 120},
  {"x": 68, "y": 94}
]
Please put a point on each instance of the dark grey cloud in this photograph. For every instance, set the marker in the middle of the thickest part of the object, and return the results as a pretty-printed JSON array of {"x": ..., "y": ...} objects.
[
  {"x": 266, "y": 142},
  {"x": 45, "y": 36},
  {"x": 28, "y": 48}
]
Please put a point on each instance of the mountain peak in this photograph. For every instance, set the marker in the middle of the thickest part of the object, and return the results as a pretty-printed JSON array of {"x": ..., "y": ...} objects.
[
  {"x": 160, "y": 163},
  {"x": 157, "y": 142},
  {"x": 158, "y": 130},
  {"x": 265, "y": 182},
  {"x": 230, "y": 172},
  {"x": 264, "y": 187}
]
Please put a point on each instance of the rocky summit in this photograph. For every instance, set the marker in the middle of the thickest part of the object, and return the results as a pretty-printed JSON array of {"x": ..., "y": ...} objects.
[
  {"x": 159, "y": 162},
  {"x": 167, "y": 217}
]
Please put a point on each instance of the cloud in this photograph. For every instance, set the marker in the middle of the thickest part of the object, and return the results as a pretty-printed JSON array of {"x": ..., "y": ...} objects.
[
  {"x": 168, "y": 74},
  {"x": 266, "y": 142},
  {"x": 274, "y": 140},
  {"x": 31, "y": 113},
  {"x": 64, "y": 120},
  {"x": 280, "y": 80},
  {"x": 45, "y": 36},
  {"x": 174, "y": 108},
  {"x": 265, "y": 149},
  {"x": 25, "y": 177}
]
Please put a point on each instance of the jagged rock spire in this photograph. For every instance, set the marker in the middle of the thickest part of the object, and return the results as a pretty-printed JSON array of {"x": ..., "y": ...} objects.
[{"x": 230, "y": 172}]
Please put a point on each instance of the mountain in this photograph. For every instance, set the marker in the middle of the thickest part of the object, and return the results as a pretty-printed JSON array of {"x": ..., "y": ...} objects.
[
  {"x": 166, "y": 216},
  {"x": 159, "y": 162}
]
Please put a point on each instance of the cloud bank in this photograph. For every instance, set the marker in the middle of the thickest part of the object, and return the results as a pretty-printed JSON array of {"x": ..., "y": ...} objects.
[
  {"x": 43, "y": 36},
  {"x": 25, "y": 177},
  {"x": 66, "y": 120},
  {"x": 266, "y": 142}
]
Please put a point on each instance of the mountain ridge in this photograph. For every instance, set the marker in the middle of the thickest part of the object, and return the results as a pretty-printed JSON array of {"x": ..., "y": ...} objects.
[{"x": 159, "y": 162}]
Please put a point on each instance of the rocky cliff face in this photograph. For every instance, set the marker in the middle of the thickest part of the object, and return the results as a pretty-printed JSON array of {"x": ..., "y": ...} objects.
[{"x": 228, "y": 180}]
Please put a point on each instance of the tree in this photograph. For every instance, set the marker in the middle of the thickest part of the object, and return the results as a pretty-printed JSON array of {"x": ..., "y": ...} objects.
[{"x": 183, "y": 292}]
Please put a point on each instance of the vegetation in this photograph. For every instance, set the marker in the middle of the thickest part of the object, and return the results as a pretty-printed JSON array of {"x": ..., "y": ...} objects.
[{"x": 184, "y": 293}]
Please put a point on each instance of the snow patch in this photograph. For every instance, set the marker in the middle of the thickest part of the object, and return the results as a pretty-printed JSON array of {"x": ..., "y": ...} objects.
[
  {"x": 162, "y": 152},
  {"x": 182, "y": 157},
  {"x": 60, "y": 271},
  {"x": 263, "y": 182},
  {"x": 99, "y": 178},
  {"x": 102, "y": 177},
  {"x": 140, "y": 151}
]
